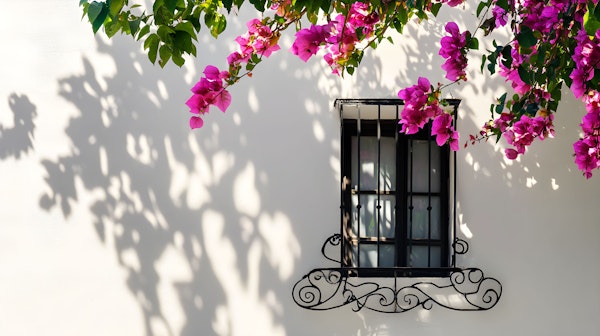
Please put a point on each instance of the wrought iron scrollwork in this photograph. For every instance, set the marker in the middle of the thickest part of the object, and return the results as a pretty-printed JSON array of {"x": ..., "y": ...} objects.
[
  {"x": 459, "y": 289},
  {"x": 460, "y": 246},
  {"x": 330, "y": 244},
  {"x": 465, "y": 290}
]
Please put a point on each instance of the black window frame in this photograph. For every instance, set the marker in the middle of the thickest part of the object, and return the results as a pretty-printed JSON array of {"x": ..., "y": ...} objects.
[{"x": 380, "y": 127}]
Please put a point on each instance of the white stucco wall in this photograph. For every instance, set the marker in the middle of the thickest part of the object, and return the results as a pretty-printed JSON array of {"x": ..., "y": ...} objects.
[{"x": 116, "y": 219}]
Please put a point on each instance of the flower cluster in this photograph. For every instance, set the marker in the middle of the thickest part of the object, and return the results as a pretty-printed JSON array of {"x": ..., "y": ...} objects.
[
  {"x": 339, "y": 36},
  {"x": 208, "y": 91},
  {"x": 500, "y": 15},
  {"x": 522, "y": 133},
  {"x": 421, "y": 105},
  {"x": 587, "y": 58},
  {"x": 587, "y": 149},
  {"x": 309, "y": 40},
  {"x": 553, "y": 45},
  {"x": 260, "y": 40},
  {"x": 454, "y": 49}
]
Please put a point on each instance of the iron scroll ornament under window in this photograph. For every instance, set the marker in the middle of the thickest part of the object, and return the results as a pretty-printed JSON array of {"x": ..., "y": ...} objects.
[{"x": 397, "y": 247}]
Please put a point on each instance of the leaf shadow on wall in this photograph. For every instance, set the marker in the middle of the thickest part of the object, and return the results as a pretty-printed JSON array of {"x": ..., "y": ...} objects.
[
  {"x": 202, "y": 222},
  {"x": 17, "y": 139}
]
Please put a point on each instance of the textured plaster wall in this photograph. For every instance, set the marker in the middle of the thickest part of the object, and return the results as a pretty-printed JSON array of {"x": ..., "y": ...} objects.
[{"x": 116, "y": 219}]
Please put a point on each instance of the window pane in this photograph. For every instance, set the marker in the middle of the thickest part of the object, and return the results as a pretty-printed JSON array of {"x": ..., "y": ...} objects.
[
  {"x": 422, "y": 222},
  {"x": 368, "y": 255},
  {"x": 386, "y": 255},
  {"x": 420, "y": 166},
  {"x": 368, "y": 216},
  {"x": 418, "y": 256},
  {"x": 368, "y": 163}
]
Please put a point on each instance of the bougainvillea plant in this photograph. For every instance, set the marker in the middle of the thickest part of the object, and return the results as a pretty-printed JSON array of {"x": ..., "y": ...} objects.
[{"x": 553, "y": 43}]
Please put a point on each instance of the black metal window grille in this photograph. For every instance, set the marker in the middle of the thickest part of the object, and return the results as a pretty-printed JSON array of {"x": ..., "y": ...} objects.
[{"x": 395, "y": 198}]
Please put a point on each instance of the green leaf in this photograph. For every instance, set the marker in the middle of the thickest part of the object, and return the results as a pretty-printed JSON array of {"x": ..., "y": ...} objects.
[
  {"x": 151, "y": 44},
  {"x": 162, "y": 16},
  {"x": 507, "y": 56},
  {"x": 526, "y": 38},
  {"x": 165, "y": 33},
  {"x": 555, "y": 90},
  {"x": 183, "y": 42},
  {"x": 532, "y": 109},
  {"x": 483, "y": 59},
  {"x": 591, "y": 19},
  {"x": 501, "y": 103},
  {"x": 111, "y": 28},
  {"x": 99, "y": 21},
  {"x": 503, "y": 4},
  {"x": 228, "y": 4},
  {"x": 171, "y": 5},
  {"x": 115, "y": 6},
  {"x": 94, "y": 9},
  {"x": 186, "y": 27},
  {"x": 218, "y": 25},
  {"x": 402, "y": 15},
  {"x": 524, "y": 74},
  {"x": 482, "y": 5},
  {"x": 145, "y": 30},
  {"x": 435, "y": 8},
  {"x": 177, "y": 59},
  {"x": 473, "y": 43},
  {"x": 165, "y": 54},
  {"x": 135, "y": 25},
  {"x": 259, "y": 4}
]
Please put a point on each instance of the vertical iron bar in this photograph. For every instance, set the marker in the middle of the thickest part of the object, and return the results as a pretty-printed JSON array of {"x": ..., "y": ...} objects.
[
  {"x": 358, "y": 204},
  {"x": 342, "y": 191},
  {"x": 397, "y": 228},
  {"x": 411, "y": 206},
  {"x": 378, "y": 183},
  {"x": 429, "y": 198},
  {"x": 454, "y": 194}
]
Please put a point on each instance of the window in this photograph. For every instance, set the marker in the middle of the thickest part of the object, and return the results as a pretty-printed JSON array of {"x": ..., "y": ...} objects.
[
  {"x": 395, "y": 202},
  {"x": 397, "y": 249}
]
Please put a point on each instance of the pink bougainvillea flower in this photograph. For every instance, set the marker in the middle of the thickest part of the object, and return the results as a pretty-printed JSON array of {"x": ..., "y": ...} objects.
[
  {"x": 261, "y": 38},
  {"x": 309, "y": 40},
  {"x": 500, "y": 16},
  {"x": 196, "y": 122},
  {"x": 586, "y": 56},
  {"x": 453, "y": 49},
  {"x": 587, "y": 155},
  {"x": 222, "y": 100},
  {"x": 444, "y": 132},
  {"x": 197, "y": 104},
  {"x": 523, "y": 132},
  {"x": 208, "y": 91},
  {"x": 510, "y": 153},
  {"x": 212, "y": 73},
  {"x": 418, "y": 110},
  {"x": 453, "y": 3},
  {"x": 344, "y": 34}
]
